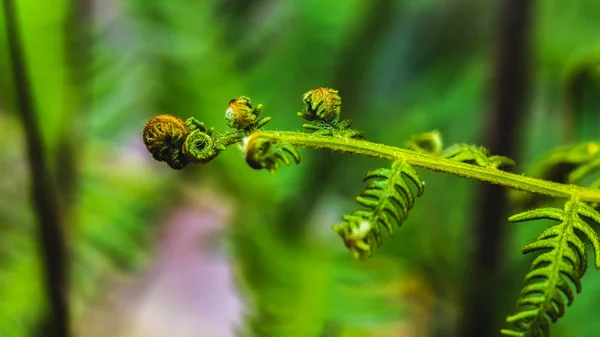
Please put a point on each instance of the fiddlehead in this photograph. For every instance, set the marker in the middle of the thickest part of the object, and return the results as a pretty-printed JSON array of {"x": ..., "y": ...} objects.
[
  {"x": 562, "y": 257},
  {"x": 387, "y": 199},
  {"x": 241, "y": 115},
  {"x": 201, "y": 146},
  {"x": 164, "y": 136}
]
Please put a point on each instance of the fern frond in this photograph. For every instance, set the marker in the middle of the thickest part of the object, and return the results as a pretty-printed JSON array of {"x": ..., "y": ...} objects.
[
  {"x": 387, "y": 199},
  {"x": 562, "y": 257},
  {"x": 477, "y": 155}
]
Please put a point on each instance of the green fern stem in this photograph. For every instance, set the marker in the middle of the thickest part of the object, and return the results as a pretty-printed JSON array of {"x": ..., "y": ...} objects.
[{"x": 426, "y": 161}]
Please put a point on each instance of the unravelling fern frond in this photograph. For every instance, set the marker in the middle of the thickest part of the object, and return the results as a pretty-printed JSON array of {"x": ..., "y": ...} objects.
[
  {"x": 387, "y": 199},
  {"x": 268, "y": 154},
  {"x": 563, "y": 257},
  {"x": 477, "y": 155}
]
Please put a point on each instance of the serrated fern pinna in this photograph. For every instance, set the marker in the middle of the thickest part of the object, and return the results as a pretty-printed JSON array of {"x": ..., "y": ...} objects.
[
  {"x": 563, "y": 257},
  {"x": 387, "y": 199}
]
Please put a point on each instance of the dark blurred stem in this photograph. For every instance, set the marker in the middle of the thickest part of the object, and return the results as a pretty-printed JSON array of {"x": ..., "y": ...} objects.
[
  {"x": 485, "y": 296},
  {"x": 44, "y": 194},
  {"x": 77, "y": 32},
  {"x": 355, "y": 58}
]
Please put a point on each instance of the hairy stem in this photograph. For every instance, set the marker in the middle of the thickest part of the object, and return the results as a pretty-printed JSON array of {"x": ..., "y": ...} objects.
[{"x": 430, "y": 162}]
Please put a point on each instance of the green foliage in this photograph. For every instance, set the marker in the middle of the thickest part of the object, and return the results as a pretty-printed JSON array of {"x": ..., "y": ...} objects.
[
  {"x": 110, "y": 226},
  {"x": 562, "y": 259},
  {"x": 152, "y": 56},
  {"x": 387, "y": 199},
  {"x": 108, "y": 211},
  {"x": 313, "y": 291}
]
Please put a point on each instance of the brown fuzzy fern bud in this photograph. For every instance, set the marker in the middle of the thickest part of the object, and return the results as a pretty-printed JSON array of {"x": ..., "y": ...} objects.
[
  {"x": 164, "y": 136},
  {"x": 322, "y": 104}
]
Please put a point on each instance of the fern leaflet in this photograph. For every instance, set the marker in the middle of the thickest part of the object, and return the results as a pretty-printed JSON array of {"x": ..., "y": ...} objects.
[
  {"x": 563, "y": 257},
  {"x": 387, "y": 199},
  {"x": 476, "y": 155}
]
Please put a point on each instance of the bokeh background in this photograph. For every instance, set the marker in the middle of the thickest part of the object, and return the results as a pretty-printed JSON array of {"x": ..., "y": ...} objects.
[{"x": 130, "y": 248}]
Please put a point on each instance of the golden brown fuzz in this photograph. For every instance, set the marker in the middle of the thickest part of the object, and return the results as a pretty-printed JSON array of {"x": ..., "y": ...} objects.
[{"x": 163, "y": 136}]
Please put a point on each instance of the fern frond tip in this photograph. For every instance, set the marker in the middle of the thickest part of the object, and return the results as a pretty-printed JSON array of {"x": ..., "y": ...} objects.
[{"x": 356, "y": 235}]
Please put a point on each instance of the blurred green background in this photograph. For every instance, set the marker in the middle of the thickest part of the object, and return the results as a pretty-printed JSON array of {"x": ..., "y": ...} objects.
[{"x": 223, "y": 250}]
